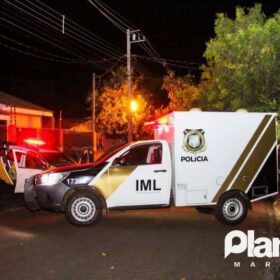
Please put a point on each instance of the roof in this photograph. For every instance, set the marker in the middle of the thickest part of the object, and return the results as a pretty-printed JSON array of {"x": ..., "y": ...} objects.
[{"x": 11, "y": 100}]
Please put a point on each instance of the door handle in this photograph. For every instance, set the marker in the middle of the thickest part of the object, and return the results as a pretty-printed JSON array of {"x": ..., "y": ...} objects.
[{"x": 162, "y": 170}]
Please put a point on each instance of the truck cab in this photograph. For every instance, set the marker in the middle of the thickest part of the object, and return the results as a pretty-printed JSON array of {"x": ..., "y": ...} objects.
[
  {"x": 138, "y": 175},
  {"x": 135, "y": 175}
]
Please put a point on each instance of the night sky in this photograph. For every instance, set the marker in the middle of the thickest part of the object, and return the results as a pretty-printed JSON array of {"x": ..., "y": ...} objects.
[{"x": 177, "y": 29}]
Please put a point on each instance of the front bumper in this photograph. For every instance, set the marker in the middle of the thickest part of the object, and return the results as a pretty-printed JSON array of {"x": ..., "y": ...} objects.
[{"x": 48, "y": 197}]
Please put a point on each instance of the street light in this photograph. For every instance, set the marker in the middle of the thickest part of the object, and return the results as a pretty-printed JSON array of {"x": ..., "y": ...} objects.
[
  {"x": 133, "y": 109},
  {"x": 133, "y": 106}
]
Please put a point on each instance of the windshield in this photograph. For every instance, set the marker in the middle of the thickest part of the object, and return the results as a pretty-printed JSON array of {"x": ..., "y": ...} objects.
[
  {"x": 112, "y": 151},
  {"x": 57, "y": 159}
]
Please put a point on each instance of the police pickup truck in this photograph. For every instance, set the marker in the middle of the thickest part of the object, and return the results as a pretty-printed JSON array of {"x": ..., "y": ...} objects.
[
  {"x": 221, "y": 160},
  {"x": 17, "y": 163}
]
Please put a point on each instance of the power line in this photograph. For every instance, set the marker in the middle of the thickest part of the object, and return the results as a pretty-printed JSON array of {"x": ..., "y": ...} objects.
[
  {"x": 138, "y": 66},
  {"x": 75, "y": 36},
  {"x": 127, "y": 23},
  {"x": 35, "y": 49},
  {"x": 122, "y": 24},
  {"x": 79, "y": 28},
  {"x": 90, "y": 37},
  {"x": 44, "y": 34},
  {"x": 110, "y": 16},
  {"x": 50, "y": 40},
  {"x": 112, "y": 67},
  {"x": 38, "y": 36},
  {"x": 47, "y": 54},
  {"x": 175, "y": 63},
  {"x": 152, "y": 49},
  {"x": 167, "y": 60},
  {"x": 82, "y": 40},
  {"x": 31, "y": 54}
]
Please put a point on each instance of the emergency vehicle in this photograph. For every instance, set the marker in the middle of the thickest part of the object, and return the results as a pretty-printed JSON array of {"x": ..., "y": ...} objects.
[
  {"x": 16, "y": 165},
  {"x": 222, "y": 160}
]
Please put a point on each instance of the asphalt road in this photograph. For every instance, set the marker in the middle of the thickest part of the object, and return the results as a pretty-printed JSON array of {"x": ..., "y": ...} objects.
[{"x": 170, "y": 243}]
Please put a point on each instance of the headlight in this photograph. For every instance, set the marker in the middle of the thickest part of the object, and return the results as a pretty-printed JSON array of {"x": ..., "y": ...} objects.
[{"x": 49, "y": 179}]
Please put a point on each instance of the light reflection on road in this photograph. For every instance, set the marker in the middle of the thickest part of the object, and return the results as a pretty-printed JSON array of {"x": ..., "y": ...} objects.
[{"x": 10, "y": 232}]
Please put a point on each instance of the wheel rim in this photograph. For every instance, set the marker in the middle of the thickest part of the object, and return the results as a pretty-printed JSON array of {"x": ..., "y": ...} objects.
[
  {"x": 83, "y": 209},
  {"x": 233, "y": 209}
]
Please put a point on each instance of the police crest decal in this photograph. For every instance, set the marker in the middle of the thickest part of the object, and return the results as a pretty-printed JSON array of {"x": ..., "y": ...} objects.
[{"x": 194, "y": 141}]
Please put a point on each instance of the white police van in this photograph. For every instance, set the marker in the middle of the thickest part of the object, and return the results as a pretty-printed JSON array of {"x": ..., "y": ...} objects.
[{"x": 222, "y": 160}]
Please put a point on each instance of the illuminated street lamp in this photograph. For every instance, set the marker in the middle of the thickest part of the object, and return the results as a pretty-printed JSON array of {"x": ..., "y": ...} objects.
[{"x": 133, "y": 106}]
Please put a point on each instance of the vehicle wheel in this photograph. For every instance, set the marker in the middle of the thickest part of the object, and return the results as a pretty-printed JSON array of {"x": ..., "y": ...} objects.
[
  {"x": 83, "y": 208},
  {"x": 231, "y": 208}
]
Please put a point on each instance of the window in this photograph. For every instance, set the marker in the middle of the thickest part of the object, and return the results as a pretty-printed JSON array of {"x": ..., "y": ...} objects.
[
  {"x": 109, "y": 153},
  {"x": 30, "y": 160},
  {"x": 33, "y": 161},
  {"x": 142, "y": 155},
  {"x": 20, "y": 158}
]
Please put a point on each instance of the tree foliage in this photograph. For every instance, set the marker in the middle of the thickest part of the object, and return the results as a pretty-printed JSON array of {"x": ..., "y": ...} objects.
[
  {"x": 182, "y": 92},
  {"x": 243, "y": 62},
  {"x": 113, "y": 106}
]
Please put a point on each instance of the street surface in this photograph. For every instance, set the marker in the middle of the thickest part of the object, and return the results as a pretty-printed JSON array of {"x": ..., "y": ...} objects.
[{"x": 169, "y": 243}]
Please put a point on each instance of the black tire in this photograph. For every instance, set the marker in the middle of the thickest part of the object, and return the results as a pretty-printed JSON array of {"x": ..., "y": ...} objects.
[
  {"x": 231, "y": 208},
  {"x": 83, "y": 208}
]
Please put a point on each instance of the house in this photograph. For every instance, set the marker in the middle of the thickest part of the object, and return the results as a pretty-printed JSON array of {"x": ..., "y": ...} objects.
[{"x": 20, "y": 119}]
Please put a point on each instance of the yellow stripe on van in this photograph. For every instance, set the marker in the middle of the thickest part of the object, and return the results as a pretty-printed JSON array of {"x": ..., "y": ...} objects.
[
  {"x": 242, "y": 157},
  {"x": 110, "y": 181},
  {"x": 255, "y": 161}
]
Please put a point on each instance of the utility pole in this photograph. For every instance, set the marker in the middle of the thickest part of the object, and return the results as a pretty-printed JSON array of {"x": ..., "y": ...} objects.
[
  {"x": 128, "y": 56},
  {"x": 60, "y": 132},
  {"x": 93, "y": 117},
  {"x": 133, "y": 36}
]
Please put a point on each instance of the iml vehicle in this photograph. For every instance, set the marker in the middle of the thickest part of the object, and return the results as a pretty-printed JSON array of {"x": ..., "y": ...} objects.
[{"x": 220, "y": 160}]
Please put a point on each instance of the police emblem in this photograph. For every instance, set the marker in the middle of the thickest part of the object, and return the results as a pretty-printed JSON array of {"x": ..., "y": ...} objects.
[{"x": 194, "y": 141}]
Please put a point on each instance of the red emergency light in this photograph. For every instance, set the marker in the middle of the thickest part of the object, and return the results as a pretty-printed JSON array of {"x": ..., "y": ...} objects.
[
  {"x": 34, "y": 142},
  {"x": 163, "y": 121},
  {"x": 149, "y": 123}
]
